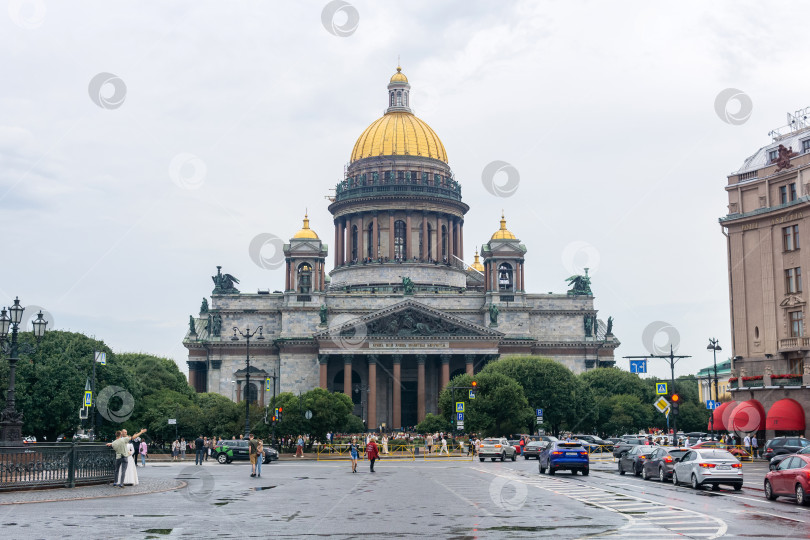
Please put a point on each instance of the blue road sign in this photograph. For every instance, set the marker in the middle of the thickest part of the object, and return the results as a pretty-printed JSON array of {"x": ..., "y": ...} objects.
[
  {"x": 472, "y": 394},
  {"x": 711, "y": 404},
  {"x": 661, "y": 389},
  {"x": 539, "y": 412},
  {"x": 88, "y": 398},
  {"x": 638, "y": 366},
  {"x": 459, "y": 406},
  {"x": 460, "y": 416}
]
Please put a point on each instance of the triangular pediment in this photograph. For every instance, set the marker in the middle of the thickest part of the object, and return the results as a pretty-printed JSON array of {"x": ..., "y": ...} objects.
[
  {"x": 792, "y": 301},
  {"x": 409, "y": 319}
]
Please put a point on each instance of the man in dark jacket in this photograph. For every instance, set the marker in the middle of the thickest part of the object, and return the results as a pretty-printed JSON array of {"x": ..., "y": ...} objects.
[{"x": 199, "y": 446}]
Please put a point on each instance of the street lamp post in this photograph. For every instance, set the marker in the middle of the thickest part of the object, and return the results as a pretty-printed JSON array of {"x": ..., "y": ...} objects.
[
  {"x": 11, "y": 419},
  {"x": 714, "y": 346},
  {"x": 247, "y": 335}
]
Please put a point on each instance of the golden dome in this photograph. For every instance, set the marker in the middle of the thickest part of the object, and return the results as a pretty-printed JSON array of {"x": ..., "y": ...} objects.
[
  {"x": 477, "y": 263},
  {"x": 399, "y": 76},
  {"x": 503, "y": 233},
  {"x": 399, "y": 134},
  {"x": 305, "y": 231}
]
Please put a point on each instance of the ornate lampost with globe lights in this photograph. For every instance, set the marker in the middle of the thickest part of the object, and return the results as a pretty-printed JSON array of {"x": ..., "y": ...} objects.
[
  {"x": 247, "y": 335},
  {"x": 11, "y": 420}
]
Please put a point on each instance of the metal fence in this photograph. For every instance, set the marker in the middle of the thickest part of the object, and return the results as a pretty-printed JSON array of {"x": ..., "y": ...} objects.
[
  {"x": 396, "y": 451},
  {"x": 55, "y": 465}
]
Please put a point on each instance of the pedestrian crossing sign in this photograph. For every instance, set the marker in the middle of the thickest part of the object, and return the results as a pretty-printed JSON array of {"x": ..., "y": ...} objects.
[
  {"x": 101, "y": 358},
  {"x": 459, "y": 406},
  {"x": 661, "y": 389},
  {"x": 267, "y": 385},
  {"x": 88, "y": 398}
]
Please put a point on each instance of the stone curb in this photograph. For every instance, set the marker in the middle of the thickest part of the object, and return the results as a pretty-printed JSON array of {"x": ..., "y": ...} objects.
[{"x": 181, "y": 485}]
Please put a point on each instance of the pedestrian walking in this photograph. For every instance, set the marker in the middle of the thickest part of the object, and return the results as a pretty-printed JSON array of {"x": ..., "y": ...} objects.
[
  {"x": 444, "y": 447},
  {"x": 259, "y": 457},
  {"x": 354, "y": 452},
  {"x": 253, "y": 445},
  {"x": 199, "y": 447},
  {"x": 747, "y": 444},
  {"x": 142, "y": 450},
  {"x": 755, "y": 445},
  {"x": 121, "y": 455},
  {"x": 175, "y": 450},
  {"x": 136, "y": 448},
  {"x": 429, "y": 443},
  {"x": 299, "y": 447},
  {"x": 183, "y": 447},
  {"x": 372, "y": 452}
]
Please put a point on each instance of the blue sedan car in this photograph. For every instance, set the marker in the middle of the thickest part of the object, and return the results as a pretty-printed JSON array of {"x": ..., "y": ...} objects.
[{"x": 559, "y": 455}]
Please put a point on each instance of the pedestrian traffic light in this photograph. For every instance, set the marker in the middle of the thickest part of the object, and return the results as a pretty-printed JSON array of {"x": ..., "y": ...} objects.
[{"x": 676, "y": 401}]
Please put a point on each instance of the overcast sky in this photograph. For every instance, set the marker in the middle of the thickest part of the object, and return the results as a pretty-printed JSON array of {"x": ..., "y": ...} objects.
[{"x": 220, "y": 121}]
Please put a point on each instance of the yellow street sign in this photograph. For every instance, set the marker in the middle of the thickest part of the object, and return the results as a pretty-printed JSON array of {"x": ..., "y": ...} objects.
[{"x": 661, "y": 404}]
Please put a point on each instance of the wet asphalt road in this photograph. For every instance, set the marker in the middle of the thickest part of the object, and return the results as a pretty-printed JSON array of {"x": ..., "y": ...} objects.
[{"x": 438, "y": 499}]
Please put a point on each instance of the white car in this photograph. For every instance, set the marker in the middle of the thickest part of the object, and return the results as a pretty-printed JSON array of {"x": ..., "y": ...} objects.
[
  {"x": 710, "y": 466},
  {"x": 496, "y": 449}
]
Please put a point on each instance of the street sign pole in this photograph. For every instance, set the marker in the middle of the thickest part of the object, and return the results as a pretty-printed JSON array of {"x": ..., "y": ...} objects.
[{"x": 673, "y": 359}]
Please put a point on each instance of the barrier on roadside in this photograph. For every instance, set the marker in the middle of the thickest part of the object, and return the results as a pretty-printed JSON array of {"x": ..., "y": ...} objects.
[
  {"x": 401, "y": 452},
  {"x": 601, "y": 453}
]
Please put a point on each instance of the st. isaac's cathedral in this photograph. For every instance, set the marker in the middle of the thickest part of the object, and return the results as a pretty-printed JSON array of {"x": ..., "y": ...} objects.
[{"x": 400, "y": 313}]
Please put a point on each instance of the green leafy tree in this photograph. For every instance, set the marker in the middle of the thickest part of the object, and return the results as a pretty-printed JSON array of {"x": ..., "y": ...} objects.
[
  {"x": 353, "y": 424},
  {"x": 433, "y": 423},
  {"x": 625, "y": 414},
  {"x": 500, "y": 407},
  {"x": 547, "y": 385},
  {"x": 329, "y": 411}
]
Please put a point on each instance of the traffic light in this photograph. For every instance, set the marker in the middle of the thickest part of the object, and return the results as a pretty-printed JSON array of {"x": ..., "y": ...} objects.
[
  {"x": 676, "y": 401},
  {"x": 280, "y": 411},
  {"x": 474, "y": 385}
]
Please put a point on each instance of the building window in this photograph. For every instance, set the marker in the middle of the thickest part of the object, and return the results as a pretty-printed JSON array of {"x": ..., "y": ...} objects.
[
  {"x": 354, "y": 243},
  {"x": 796, "y": 366},
  {"x": 505, "y": 277},
  {"x": 251, "y": 393},
  {"x": 783, "y": 195},
  {"x": 793, "y": 280},
  {"x": 400, "y": 240},
  {"x": 772, "y": 155},
  {"x": 792, "y": 191},
  {"x": 444, "y": 243},
  {"x": 370, "y": 243},
  {"x": 756, "y": 332},
  {"x": 304, "y": 278},
  {"x": 399, "y": 98},
  {"x": 806, "y": 145},
  {"x": 796, "y": 324},
  {"x": 790, "y": 238},
  {"x": 430, "y": 241}
]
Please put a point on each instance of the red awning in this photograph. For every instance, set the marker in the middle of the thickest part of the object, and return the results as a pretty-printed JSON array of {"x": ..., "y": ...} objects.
[
  {"x": 747, "y": 417},
  {"x": 720, "y": 414},
  {"x": 786, "y": 415}
]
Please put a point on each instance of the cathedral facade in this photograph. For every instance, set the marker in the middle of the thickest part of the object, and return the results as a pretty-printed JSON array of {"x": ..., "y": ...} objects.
[{"x": 400, "y": 312}]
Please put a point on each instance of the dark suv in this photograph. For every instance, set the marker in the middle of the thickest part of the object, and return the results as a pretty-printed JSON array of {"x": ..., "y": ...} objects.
[
  {"x": 227, "y": 451},
  {"x": 784, "y": 445}
]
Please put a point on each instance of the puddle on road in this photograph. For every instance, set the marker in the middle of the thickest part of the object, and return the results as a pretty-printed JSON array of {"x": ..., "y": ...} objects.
[
  {"x": 158, "y": 531},
  {"x": 539, "y": 528},
  {"x": 261, "y": 488}
]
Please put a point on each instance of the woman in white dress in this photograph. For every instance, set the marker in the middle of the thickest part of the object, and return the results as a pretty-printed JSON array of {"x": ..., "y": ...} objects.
[{"x": 131, "y": 478}]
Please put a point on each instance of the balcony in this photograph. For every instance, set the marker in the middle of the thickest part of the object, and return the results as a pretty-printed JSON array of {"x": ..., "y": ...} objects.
[
  {"x": 768, "y": 380},
  {"x": 794, "y": 344}
]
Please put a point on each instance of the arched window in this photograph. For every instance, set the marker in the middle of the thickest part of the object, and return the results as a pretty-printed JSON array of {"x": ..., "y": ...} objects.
[
  {"x": 406, "y": 99},
  {"x": 444, "y": 243},
  {"x": 370, "y": 242},
  {"x": 251, "y": 393},
  {"x": 400, "y": 240},
  {"x": 505, "y": 277},
  {"x": 304, "y": 278},
  {"x": 430, "y": 241},
  {"x": 392, "y": 99},
  {"x": 354, "y": 243},
  {"x": 399, "y": 98}
]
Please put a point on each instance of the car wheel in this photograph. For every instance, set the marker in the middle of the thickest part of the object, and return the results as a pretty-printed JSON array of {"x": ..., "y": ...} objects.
[
  {"x": 526, "y": 458},
  {"x": 695, "y": 484},
  {"x": 636, "y": 472},
  {"x": 550, "y": 470},
  {"x": 503, "y": 457},
  {"x": 737, "y": 487},
  {"x": 801, "y": 496},
  {"x": 644, "y": 475},
  {"x": 573, "y": 472},
  {"x": 715, "y": 487},
  {"x": 585, "y": 472},
  {"x": 222, "y": 458},
  {"x": 493, "y": 459},
  {"x": 769, "y": 491},
  {"x": 514, "y": 457},
  {"x": 661, "y": 476},
  {"x": 541, "y": 468},
  {"x": 621, "y": 471},
  {"x": 674, "y": 478},
  {"x": 482, "y": 459}
]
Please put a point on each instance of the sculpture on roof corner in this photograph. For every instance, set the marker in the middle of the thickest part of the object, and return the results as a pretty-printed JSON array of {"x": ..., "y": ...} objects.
[
  {"x": 783, "y": 157},
  {"x": 224, "y": 283},
  {"x": 323, "y": 312},
  {"x": 580, "y": 285},
  {"x": 609, "y": 331},
  {"x": 191, "y": 330},
  {"x": 204, "y": 306},
  {"x": 493, "y": 315}
]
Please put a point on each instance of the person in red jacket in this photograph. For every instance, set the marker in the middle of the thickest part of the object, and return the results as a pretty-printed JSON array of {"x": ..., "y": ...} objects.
[{"x": 371, "y": 452}]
